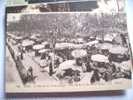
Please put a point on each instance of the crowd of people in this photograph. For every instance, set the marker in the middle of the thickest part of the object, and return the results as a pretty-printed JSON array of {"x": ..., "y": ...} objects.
[
  {"x": 105, "y": 70},
  {"x": 104, "y": 65}
]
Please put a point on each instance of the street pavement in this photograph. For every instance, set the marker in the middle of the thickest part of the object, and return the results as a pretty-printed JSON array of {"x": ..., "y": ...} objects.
[
  {"x": 12, "y": 75},
  {"x": 41, "y": 74}
]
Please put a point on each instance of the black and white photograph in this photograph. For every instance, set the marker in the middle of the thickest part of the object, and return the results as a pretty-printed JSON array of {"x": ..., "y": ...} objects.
[{"x": 68, "y": 51}]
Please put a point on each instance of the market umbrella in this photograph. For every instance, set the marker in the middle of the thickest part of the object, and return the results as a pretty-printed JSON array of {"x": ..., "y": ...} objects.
[
  {"x": 38, "y": 47},
  {"x": 44, "y": 43},
  {"x": 79, "y": 53},
  {"x": 44, "y": 50},
  {"x": 118, "y": 50},
  {"x": 92, "y": 43},
  {"x": 63, "y": 45},
  {"x": 126, "y": 65},
  {"x": 27, "y": 42},
  {"x": 106, "y": 46},
  {"x": 67, "y": 65},
  {"x": 78, "y": 46},
  {"x": 80, "y": 40},
  {"x": 18, "y": 37},
  {"x": 108, "y": 37},
  {"x": 99, "y": 58},
  {"x": 33, "y": 37}
]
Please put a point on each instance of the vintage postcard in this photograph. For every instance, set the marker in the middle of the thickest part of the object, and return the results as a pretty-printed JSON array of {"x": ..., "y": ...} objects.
[{"x": 67, "y": 51}]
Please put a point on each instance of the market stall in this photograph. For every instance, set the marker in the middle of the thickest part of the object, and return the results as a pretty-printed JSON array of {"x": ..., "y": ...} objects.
[
  {"x": 43, "y": 53},
  {"x": 37, "y": 48},
  {"x": 27, "y": 44},
  {"x": 78, "y": 54},
  {"x": 68, "y": 70},
  {"x": 118, "y": 53}
]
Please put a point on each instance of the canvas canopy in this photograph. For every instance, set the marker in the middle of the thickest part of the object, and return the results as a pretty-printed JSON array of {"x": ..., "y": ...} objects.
[
  {"x": 99, "y": 58},
  {"x": 118, "y": 50},
  {"x": 43, "y": 50},
  {"x": 69, "y": 64},
  {"x": 27, "y": 43},
  {"x": 78, "y": 53},
  {"x": 38, "y": 47}
]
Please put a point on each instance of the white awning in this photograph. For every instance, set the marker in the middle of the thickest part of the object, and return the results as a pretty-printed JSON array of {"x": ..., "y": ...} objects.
[
  {"x": 126, "y": 65},
  {"x": 92, "y": 43},
  {"x": 105, "y": 46},
  {"x": 44, "y": 50},
  {"x": 44, "y": 43},
  {"x": 78, "y": 53},
  {"x": 118, "y": 50},
  {"x": 108, "y": 37},
  {"x": 63, "y": 45},
  {"x": 69, "y": 64},
  {"x": 27, "y": 42},
  {"x": 38, "y": 47},
  {"x": 99, "y": 58}
]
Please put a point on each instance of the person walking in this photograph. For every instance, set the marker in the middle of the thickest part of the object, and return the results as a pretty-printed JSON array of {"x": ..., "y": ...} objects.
[
  {"x": 30, "y": 72},
  {"x": 50, "y": 69}
]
